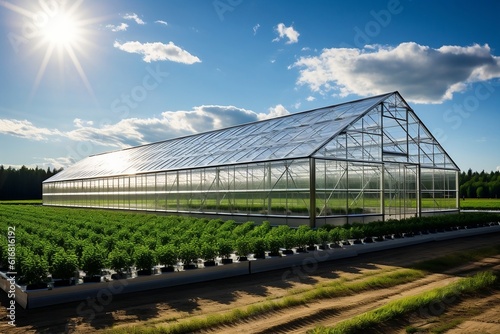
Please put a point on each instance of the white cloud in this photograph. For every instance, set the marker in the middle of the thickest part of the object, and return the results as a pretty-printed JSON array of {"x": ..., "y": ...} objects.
[
  {"x": 26, "y": 129},
  {"x": 161, "y": 22},
  {"x": 137, "y": 131},
  {"x": 255, "y": 28},
  {"x": 276, "y": 111},
  {"x": 422, "y": 74},
  {"x": 283, "y": 31},
  {"x": 135, "y": 17},
  {"x": 158, "y": 52},
  {"x": 310, "y": 98},
  {"x": 121, "y": 27},
  {"x": 498, "y": 168}
]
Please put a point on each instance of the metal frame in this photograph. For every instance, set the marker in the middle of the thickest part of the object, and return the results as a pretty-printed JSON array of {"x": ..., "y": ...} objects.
[{"x": 283, "y": 167}]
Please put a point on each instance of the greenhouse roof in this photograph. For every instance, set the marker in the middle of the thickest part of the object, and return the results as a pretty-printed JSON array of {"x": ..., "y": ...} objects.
[{"x": 293, "y": 136}]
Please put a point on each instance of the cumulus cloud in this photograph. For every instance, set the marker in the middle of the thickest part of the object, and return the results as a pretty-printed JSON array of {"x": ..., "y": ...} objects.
[
  {"x": 276, "y": 111},
  {"x": 283, "y": 31},
  {"x": 161, "y": 22},
  {"x": 25, "y": 129},
  {"x": 135, "y": 17},
  {"x": 121, "y": 27},
  {"x": 310, "y": 98},
  {"x": 421, "y": 73},
  {"x": 158, "y": 52},
  {"x": 137, "y": 131}
]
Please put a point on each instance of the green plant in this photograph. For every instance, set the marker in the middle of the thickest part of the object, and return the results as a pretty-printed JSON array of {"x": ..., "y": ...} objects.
[
  {"x": 64, "y": 264},
  {"x": 225, "y": 248},
  {"x": 166, "y": 255},
  {"x": 92, "y": 259},
  {"x": 144, "y": 258},
  {"x": 119, "y": 259}
]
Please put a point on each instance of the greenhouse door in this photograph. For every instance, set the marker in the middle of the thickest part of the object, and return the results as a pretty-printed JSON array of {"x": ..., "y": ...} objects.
[{"x": 400, "y": 191}]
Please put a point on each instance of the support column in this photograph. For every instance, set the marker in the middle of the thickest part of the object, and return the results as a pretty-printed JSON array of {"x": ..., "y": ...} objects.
[{"x": 312, "y": 192}]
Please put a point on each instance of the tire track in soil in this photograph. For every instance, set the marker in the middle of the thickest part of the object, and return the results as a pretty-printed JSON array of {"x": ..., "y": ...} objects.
[{"x": 327, "y": 312}]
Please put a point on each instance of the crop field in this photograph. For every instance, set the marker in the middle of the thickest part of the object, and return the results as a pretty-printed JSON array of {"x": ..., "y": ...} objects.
[
  {"x": 480, "y": 204},
  {"x": 59, "y": 241}
]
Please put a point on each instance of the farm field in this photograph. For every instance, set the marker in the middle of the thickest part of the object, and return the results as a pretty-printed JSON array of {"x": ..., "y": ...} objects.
[
  {"x": 480, "y": 204},
  {"x": 369, "y": 281}
]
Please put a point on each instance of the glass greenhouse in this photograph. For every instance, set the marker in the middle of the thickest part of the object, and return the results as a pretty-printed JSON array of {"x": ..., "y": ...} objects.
[{"x": 370, "y": 159}]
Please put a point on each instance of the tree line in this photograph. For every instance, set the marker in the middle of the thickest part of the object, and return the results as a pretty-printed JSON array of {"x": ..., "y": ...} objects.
[
  {"x": 23, "y": 183},
  {"x": 26, "y": 183},
  {"x": 479, "y": 185}
]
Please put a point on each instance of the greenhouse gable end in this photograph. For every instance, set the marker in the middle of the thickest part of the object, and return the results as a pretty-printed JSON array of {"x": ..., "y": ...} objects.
[{"x": 365, "y": 160}]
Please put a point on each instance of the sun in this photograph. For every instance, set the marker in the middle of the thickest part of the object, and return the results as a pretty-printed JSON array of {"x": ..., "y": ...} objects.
[{"x": 62, "y": 31}]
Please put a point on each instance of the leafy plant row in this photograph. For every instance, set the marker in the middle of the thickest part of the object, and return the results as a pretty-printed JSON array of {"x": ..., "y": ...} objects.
[{"x": 60, "y": 240}]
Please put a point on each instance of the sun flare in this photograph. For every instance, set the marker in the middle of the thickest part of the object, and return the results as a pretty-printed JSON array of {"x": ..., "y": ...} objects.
[
  {"x": 62, "y": 30},
  {"x": 59, "y": 31}
]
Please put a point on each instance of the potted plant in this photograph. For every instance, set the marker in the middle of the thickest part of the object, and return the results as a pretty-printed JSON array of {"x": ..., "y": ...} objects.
[
  {"x": 312, "y": 240},
  {"x": 258, "y": 246},
  {"x": 242, "y": 248},
  {"x": 144, "y": 259},
  {"x": 118, "y": 260},
  {"x": 335, "y": 237},
  {"x": 225, "y": 249},
  {"x": 323, "y": 237},
  {"x": 274, "y": 244},
  {"x": 167, "y": 257},
  {"x": 34, "y": 270},
  {"x": 289, "y": 240},
  {"x": 92, "y": 261},
  {"x": 189, "y": 254},
  {"x": 64, "y": 266},
  {"x": 208, "y": 252}
]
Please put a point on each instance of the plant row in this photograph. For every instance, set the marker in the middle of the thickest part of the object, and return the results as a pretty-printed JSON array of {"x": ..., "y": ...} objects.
[{"x": 61, "y": 241}]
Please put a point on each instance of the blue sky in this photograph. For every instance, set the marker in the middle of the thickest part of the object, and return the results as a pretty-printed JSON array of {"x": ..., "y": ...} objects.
[{"x": 84, "y": 77}]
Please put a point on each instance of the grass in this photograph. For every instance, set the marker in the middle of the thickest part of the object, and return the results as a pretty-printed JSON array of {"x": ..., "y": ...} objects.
[
  {"x": 22, "y": 201},
  {"x": 336, "y": 288},
  {"x": 397, "y": 308},
  {"x": 480, "y": 204}
]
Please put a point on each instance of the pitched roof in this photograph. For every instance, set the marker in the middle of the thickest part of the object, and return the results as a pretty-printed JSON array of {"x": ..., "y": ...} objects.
[{"x": 293, "y": 136}]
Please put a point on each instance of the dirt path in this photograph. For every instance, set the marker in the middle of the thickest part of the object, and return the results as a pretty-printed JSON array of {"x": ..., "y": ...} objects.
[{"x": 167, "y": 305}]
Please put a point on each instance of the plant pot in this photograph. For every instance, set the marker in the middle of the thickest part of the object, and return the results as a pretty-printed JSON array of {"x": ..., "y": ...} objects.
[
  {"x": 409, "y": 235},
  {"x": 379, "y": 238},
  {"x": 260, "y": 255},
  {"x": 62, "y": 282},
  {"x": 335, "y": 245},
  {"x": 345, "y": 243},
  {"x": 388, "y": 237},
  {"x": 368, "y": 240},
  {"x": 301, "y": 250},
  {"x": 167, "y": 269},
  {"x": 190, "y": 266},
  {"x": 144, "y": 272},
  {"x": 227, "y": 261},
  {"x": 36, "y": 286},
  {"x": 323, "y": 247},
  {"x": 397, "y": 235},
  {"x": 288, "y": 251},
  {"x": 210, "y": 263},
  {"x": 119, "y": 276},
  {"x": 357, "y": 242},
  {"x": 311, "y": 248},
  {"x": 275, "y": 254},
  {"x": 92, "y": 279},
  {"x": 243, "y": 258}
]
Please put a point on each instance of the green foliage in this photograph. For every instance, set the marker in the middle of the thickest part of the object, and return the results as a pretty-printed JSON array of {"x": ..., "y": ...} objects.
[
  {"x": 119, "y": 259},
  {"x": 92, "y": 259},
  {"x": 64, "y": 264},
  {"x": 225, "y": 247},
  {"x": 189, "y": 253},
  {"x": 34, "y": 268},
  {"x": 144, "y": 258},
  {"x": 208, "y": 251},
  {"x": 166, "y": 255},
  {"x": 243, "y": 247}
]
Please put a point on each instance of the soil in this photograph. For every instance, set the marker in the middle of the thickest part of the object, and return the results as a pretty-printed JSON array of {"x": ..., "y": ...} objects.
[{"x": 169, "y": 305}]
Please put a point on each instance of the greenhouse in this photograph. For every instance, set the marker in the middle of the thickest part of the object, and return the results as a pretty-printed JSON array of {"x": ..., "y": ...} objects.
[{"x": 360, "y": 161}]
